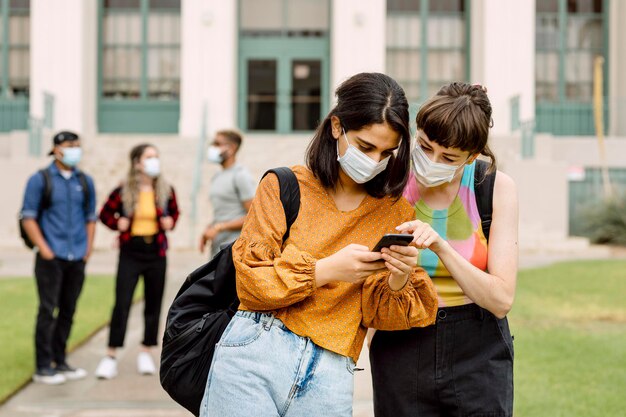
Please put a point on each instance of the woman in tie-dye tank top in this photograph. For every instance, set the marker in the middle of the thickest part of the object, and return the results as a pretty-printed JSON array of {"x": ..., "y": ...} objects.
[{"x": 463, "y": 364}]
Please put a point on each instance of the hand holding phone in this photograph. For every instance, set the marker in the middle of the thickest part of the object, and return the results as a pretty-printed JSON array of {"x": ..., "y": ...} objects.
[
  {"x": 399, "y": 262},
  {"x": 393, "y": 239}
]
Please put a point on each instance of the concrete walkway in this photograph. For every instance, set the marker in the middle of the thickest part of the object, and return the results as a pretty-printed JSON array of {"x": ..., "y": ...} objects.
[{"x": 132, "y": 395}]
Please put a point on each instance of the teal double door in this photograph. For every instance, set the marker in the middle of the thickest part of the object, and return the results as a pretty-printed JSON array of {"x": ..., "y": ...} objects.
[{"x": 283, "y": 84}]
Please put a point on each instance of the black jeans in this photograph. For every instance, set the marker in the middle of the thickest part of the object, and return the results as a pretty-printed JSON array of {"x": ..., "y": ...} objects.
[
  {"x": 59, "y": 284},
  {"x": 460, "y": 366},
  {"x": 137, "y": 258}
]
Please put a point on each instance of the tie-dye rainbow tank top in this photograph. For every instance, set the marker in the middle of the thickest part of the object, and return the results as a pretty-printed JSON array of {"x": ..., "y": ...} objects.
[{"x": 460, "y": 225}]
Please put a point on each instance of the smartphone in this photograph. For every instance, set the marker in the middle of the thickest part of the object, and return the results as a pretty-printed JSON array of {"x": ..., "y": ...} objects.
[{"x": 393, "y": 239}]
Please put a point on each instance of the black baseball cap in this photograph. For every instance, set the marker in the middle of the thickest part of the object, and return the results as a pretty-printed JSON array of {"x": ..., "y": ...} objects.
[{"x": 63, "y": 136}]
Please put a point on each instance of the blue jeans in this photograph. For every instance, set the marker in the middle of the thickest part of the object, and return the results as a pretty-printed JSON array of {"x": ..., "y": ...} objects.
[{"x": 262, "y": 369}]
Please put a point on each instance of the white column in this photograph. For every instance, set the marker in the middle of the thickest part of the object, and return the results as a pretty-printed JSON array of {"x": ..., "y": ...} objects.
[
  {"x": 64, "y": 62},
  {"x": 617, "y": 69},
  {"x": 357, "y": 38},
  {"x": 503, "y": 56},
  {"x": 208, "y": 65}
]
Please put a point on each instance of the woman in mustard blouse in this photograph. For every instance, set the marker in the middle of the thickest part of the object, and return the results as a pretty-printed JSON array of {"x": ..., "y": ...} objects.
[
  {"x": 142, "y": 209},
  {"x": 306, "y": 303}
]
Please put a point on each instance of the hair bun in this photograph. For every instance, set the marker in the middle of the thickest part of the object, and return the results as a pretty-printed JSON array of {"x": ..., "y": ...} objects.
[{"x": 482, "y": 87}]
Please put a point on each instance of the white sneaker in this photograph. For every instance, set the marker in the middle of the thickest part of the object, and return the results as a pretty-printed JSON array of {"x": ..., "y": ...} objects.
[
  {"x": 107, "y": 368},
  {"x": 145, "y": 364},
  {"x": 71, "y": 374},
  {"x": 49, "y": 376}
]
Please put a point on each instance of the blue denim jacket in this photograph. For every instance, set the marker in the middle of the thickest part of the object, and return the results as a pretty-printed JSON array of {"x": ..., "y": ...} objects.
[{"x": 63, "y": 223}]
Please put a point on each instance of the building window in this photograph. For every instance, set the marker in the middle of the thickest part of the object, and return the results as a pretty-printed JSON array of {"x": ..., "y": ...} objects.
[
  {"x": 570, "y": 34},
  {"x": 427, "y": 44},
  {"x": 139, "y": 55},
  {"x": 141, "y": 49},
  {"x": 14, "y": 64},
  {"x": 284, "y": 18},
  {"x": 284, "y": 59},
  {"x": 15, "y": 48}
]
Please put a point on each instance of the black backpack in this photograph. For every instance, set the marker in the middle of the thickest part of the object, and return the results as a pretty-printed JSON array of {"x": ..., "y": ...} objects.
[
  {"x": 483, "y": 189},
  {"x": 202, "y": 309},
  {"x": 46, "y": 201}
]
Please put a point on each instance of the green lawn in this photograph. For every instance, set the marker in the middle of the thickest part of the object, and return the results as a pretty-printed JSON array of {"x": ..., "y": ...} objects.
[
  {"x": 18, "y": 311},
  {"x": 569, "y": 322}
]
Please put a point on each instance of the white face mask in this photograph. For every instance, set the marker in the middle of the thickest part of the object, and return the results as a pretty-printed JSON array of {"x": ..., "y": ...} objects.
[
  {"x": 71, "y": 156},
  {"x": 429, "y": 173},
  {"x": 152, "y": 167},
  {"x": 214, "y": 155},
  {"x": 358, "y": 166}
]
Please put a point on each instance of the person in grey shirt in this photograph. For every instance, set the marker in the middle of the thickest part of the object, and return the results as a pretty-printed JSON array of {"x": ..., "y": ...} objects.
[{"x": 231, "y": 193}]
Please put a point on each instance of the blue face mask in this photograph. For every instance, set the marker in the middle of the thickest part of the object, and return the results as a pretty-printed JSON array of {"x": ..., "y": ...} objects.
[
  {"x": 152, "y": 167},
  {"x": 358, "y": 166},
  {"x": 215, "y": 155},
  {"x": 71, "y": 156}
]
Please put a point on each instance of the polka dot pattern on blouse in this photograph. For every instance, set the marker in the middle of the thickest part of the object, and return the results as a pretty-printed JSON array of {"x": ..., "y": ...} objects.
[{"x": 280, "y": 276}]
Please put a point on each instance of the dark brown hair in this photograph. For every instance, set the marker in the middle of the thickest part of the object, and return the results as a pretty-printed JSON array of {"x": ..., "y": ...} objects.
[
  {"x": 363, "y": 100},
  {"x": 458, "y": 116},
  {"x": 136, "y": 152},
  {"x": 232, "y": 136}
]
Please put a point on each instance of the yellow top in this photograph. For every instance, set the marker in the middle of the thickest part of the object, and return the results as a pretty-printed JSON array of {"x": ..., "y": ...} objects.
[
  {"x": 145, "y": 216},
  {"x": 280, "y": 277}
]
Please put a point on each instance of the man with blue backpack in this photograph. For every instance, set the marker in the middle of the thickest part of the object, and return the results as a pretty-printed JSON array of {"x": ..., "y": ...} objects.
[{"x": 57, "y": 221}]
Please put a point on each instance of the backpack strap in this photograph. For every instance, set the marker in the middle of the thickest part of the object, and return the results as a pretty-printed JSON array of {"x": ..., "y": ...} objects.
[
  {"x": 289, "y": 194},
  {"x": 82, "y": 178},
  {"x": 235, "y": 183},
  {"x": 46, "y": 196},
  {"x": 483, "y": 189}
]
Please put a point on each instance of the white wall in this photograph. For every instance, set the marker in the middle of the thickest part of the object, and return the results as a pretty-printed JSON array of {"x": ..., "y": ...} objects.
[
  {"x": 542, "y": 190},
  {"x": 64, "y": 62},
  {"x": 208, "y": 65},
  {"x": 357, "y": 38},
  {"x": 584, "y": 151},
  {"x": 543, "y": 201},
  {"x": 503, "y": 56}
]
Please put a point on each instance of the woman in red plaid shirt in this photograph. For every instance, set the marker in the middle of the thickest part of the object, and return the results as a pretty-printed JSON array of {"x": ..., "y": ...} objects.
[{"x": 142, "y": 209}]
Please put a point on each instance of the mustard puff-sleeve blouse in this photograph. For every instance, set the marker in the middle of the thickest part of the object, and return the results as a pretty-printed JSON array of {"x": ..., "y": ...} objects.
[{"x": 280, "y": 277}]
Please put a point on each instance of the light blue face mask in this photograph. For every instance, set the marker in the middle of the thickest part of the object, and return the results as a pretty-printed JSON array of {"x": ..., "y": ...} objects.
[
  {"x": 215, "y": 155},
  {"x": 358, "y": 166},
  {"x": 152, "y": 167},
  {"x": 429, "y": 173},
  {"x": 71, "y": 156}
]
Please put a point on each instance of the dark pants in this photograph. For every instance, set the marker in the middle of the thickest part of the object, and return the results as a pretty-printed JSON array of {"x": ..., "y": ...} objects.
[
  {"x": 460, "y": 366},
  {"x": 58, "y": 284},
  {"x": 138, "y": 258}
]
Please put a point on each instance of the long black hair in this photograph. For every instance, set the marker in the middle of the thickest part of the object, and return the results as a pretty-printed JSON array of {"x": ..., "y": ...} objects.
[{"x": 363, "y": 100}]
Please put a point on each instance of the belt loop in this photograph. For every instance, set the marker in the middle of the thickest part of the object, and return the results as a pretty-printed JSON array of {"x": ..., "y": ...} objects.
[
  {"x": 268, "y": 321},
  {"x": 481, "y": 313}
]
